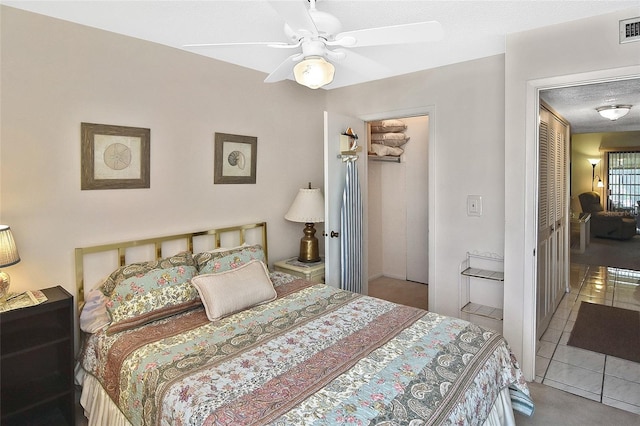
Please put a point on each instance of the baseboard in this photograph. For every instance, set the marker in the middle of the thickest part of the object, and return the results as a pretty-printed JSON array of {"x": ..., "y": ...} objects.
[{"x": 396, "y": 277}]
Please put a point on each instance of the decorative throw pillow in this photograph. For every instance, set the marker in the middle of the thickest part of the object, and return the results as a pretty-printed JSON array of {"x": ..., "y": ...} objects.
[
  {"x": 147, "y": 291},
  {"x": 209, "y": 262},
  {"x": 234, "y": 290}
]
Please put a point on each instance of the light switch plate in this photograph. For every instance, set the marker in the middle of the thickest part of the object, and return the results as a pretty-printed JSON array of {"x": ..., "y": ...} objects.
[{"x": 474, "y": 205}]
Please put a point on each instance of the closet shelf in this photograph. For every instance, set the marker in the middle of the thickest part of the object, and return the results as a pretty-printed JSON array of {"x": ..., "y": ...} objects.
[
  {"x": 481, "y": 289},
  {"x": 483, "y": 273},
  {"x": 483, "y": 311},
  {"x": 386, "y": 159}
]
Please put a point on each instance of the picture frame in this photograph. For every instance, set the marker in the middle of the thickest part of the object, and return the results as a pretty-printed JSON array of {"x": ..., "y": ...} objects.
[
  {"x": 235, "y": 158},
  {"x": 114, "y": 157}
]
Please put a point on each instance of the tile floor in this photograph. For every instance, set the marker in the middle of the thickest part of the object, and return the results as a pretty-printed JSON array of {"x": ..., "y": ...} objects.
[{"x": 612, "y": 381}]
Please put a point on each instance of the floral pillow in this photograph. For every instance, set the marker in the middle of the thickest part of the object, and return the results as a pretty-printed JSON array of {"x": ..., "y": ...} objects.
[
  {"x": 211, "y": 262},
  {"x": 143, "y": 292}
]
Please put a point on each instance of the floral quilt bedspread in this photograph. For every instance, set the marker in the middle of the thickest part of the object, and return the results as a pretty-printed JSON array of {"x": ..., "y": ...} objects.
[{"x": 315, "y": 355}]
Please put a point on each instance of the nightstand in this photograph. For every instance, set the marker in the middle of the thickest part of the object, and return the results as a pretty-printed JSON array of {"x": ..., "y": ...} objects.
[
  {"x": 36, "y": 361},
  {"x": 309, "y": 271}
]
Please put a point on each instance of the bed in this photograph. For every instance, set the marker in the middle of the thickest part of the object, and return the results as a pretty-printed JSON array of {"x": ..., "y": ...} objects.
[{"x": 208, "y": 336}]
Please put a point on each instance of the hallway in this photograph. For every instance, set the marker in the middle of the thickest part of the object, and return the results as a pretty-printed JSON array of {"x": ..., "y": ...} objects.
[{"x": 603, "y": 378}]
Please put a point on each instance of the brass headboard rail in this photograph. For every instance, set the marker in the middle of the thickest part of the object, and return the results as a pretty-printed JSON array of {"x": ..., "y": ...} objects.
[{"x": 122, "y": 247}]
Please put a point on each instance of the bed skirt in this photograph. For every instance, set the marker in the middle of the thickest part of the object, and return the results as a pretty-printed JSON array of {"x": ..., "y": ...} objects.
[{"x": 100, "y": 409}]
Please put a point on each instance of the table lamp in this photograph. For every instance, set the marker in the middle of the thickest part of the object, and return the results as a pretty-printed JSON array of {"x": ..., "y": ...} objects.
[
  {"x": 8, "y": 256},
  {"x": 308, "y": 208}
]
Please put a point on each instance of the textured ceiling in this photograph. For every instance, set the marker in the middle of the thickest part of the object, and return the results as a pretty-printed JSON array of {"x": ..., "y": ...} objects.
[
  {"x": 577, "y": 105},
  {"x": 472, "y": 29}
]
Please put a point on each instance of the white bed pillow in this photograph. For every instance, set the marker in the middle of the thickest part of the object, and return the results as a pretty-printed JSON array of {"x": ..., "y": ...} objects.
[
  {"x": 234, "y": 290},
  {"x": 382, "y": 150},
  {"x": 389, "y": 139},
  {"x": 385, "y": 126},
  {"x": 94, "y": 316}
]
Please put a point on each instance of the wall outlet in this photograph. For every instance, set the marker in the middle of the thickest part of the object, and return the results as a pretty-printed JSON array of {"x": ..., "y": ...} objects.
[{"x": 474, "y": 205}]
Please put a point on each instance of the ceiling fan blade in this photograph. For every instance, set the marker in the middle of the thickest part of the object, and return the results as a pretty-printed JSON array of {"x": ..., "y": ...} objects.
[
  {"x": 360, "y": 66},
  {"x": 396, "y": 34},
  {"x": 284, "y": 70},
  {"x": 277, "y": 44},
  {"x": 296, "y": 15},
  {"x": 355, "y": 63}
]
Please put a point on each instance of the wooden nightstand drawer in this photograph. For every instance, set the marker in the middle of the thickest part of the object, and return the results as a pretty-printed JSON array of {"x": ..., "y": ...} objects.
[
  {"x": 309, "y": 271},
  {"x": 37, "y": 362}
]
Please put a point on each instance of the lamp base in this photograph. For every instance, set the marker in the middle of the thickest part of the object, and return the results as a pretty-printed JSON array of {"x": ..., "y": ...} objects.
[
  {"x": 4, "y": 285},
  {"x": 309, "y": 245}
]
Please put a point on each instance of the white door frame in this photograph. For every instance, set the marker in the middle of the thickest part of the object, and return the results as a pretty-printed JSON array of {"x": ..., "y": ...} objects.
[
  {"x": 531, "y": 190},
  {"x": 429, "y": 110}
]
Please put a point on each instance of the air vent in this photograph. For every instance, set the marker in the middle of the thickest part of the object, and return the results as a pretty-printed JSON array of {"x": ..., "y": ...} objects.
[{"x": 630, "y": 30}]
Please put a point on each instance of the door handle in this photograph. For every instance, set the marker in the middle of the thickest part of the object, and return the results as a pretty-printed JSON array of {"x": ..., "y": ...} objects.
[{"x": 334, "y": 234}]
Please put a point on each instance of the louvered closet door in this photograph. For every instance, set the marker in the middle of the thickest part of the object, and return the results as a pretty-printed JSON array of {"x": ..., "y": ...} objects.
[{"x": 552, "y": 217}]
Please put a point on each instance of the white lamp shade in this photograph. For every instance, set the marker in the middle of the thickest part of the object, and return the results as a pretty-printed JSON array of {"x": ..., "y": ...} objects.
[
  {"x": 8, "y": 250},
  {"x": 308, "y": 206},
  {"x": 314, "y": 72}
]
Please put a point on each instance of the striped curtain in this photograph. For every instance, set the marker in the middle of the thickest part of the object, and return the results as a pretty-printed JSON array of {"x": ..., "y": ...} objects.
[{"x": 351, "y": 231}]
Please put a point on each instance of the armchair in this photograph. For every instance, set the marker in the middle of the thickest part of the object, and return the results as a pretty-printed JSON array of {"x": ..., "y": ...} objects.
[{"x": 617, "y": 225}]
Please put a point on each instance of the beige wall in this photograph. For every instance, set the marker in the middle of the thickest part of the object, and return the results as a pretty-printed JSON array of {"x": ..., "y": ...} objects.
[
  {"x": 468, "y": 154},
  {"x": 594, "y": 145},
  {"x": 56, "y": 75},
  {"x": 579, "y": 51}
]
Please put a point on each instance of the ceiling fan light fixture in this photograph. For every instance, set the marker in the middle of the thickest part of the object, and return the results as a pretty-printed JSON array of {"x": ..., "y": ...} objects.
[
  {"x": 314, "y": 72},
  {"x": 613, "y": 112}
]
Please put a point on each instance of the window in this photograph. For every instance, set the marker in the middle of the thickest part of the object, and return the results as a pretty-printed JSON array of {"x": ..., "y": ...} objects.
[{"x": 623, "y": 180}]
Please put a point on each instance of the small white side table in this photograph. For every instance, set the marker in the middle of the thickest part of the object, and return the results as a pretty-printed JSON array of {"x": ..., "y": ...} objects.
[
  {"x": 583, "y": 221},
  {"x": 309, "y": 271}
]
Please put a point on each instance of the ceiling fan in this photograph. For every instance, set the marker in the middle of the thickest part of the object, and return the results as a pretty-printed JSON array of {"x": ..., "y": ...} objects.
[{"x": 318, "y": 37}]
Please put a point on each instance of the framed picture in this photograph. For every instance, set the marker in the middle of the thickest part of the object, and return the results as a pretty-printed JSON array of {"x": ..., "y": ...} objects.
[
  {"x": 235, "y": 158},
  {"x": 114, "y": 157}
]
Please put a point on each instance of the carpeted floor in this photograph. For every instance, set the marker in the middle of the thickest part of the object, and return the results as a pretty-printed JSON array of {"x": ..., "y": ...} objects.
[
  {"x": 407, "y": 293},
  {"x": 560, "y": 408},
  {"x": 615, "y": 253}
]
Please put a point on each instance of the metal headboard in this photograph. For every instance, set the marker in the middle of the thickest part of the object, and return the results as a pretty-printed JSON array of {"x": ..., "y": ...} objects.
[{"x": 157, "y": 242}]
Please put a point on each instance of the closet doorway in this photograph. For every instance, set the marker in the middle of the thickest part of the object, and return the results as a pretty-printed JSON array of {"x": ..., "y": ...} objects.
[{"x": 398, "y": 210}]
